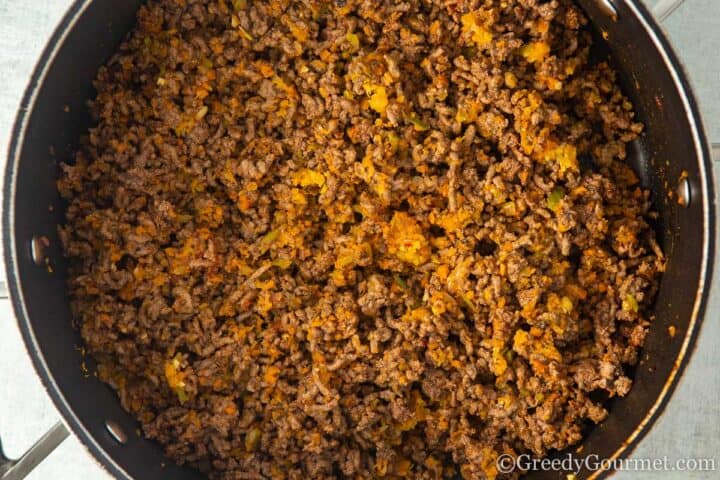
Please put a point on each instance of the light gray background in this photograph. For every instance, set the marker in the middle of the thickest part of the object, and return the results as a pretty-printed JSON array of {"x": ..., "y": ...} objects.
[{"x": 690, "y": 426}]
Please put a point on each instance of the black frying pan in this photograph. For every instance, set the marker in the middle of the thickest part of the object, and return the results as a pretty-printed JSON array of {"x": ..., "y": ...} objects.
[{"x": 672, "y": 159}]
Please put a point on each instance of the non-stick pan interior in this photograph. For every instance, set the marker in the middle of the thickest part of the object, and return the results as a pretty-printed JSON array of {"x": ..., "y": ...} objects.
[
  {"x": 670, "y": 148},
  {"x": 58, "y": 118}
]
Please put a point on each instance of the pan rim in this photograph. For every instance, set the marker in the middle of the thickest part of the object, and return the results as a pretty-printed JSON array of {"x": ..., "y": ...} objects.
[
  {"x": 706, "y": 181},
  {"x": 10, "y": 247},
  {"x": 101, "y": 456}
]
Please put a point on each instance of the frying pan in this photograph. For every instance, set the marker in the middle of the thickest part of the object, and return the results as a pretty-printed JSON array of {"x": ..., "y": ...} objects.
[{"x": 672, "y": 159}]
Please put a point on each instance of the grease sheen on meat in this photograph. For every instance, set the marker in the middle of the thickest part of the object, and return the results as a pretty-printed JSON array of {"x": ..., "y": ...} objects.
[{"x": 359, "y": 239}]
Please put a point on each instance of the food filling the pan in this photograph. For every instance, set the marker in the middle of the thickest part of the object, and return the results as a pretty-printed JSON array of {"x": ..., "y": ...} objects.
[{"x": 360, "y": 239}]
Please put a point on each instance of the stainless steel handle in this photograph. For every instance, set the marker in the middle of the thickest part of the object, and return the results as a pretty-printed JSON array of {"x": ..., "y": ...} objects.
[
  {"x": 664, "y": 8},
  {"x": 662, "y": 11},
  {"x": 20, "y": 468}
]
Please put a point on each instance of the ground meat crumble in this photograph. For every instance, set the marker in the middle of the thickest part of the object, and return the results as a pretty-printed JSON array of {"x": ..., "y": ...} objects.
[{"x": 359, "y": 239}]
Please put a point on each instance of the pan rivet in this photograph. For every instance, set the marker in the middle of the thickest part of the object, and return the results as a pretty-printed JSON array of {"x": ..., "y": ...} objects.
[
  {"x": 683, "y": 192},
  {"x": 37, "y": 249},
  {"x": 608, "y": 8},
  {"x": 116, "y": 432}
]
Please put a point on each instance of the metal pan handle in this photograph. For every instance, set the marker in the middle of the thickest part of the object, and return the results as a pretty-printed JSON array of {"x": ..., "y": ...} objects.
[
  {"x": 662, "y": 11},
  {"x": 20, "y": 468},
  {"x": 664, "y": 8}
]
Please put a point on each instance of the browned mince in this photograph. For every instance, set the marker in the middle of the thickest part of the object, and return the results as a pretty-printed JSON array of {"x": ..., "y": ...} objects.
[{"x": 359, "y": 239}]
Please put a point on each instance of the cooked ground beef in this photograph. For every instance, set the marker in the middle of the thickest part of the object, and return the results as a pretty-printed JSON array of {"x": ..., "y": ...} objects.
[{"x": 359, "y": 239}]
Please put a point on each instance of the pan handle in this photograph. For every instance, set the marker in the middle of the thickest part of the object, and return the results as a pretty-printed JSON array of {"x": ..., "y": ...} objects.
[
  {"x": 664, "y": 8},
  {"x": 20, "y": 468},
  {"x": 662, "y": 11}
]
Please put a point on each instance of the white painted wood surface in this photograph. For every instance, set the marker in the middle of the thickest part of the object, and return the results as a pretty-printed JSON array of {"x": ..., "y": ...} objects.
[{"x": 690, "y": 426}]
